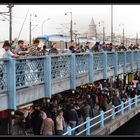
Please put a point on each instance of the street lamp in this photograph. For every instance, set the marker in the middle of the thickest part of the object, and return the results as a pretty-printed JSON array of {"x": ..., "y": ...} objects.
[
  {"x": 136, "y": 38},
  {"x": 70, "y": 25},
  {"x": 10, "y": 6},
  {"x": 103, "y": 30},
  {"x": 123, "y": 31},
  {"x": 30, "y": 30},
  {"x": 111, "y": 23},
  {"x": 43, "y": 24}
]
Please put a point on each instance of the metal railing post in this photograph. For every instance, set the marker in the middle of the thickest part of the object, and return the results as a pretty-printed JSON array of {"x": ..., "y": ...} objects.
[
  {"x": 90, "y": 68},
  {"x": 116, "y": 63},
  {"x": 113, "y": 112},
  {"x": 124, "y": 62},
  {"x": 136, "y": 100},
  {"x": 102, "y": 119},
  {"x": 122, "y": 108},
  {"x": 11, "y": 74},
  {"x": 69, "y": 130},
  {"x": 88, "y": 126},
  {"x": 129, "y": 103},
  {"x": 47, "y": 76},
  {"x": 73, "y": 72},
  {"x": 105, "y": 66}
]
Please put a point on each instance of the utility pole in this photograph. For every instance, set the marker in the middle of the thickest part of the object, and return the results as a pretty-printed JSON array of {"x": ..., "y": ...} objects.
[
  {"x": 30, "y": 28},
  {"x": 123, "y": 34},
  {"x": 71, "y": 32},
  {"x": 103, "y": 32},
  {"x": 30, "y": 31},
  {"x": 10, "y": 6},
  {"x": 111, "y": 23},
  {"x": 136, "y": 38}
]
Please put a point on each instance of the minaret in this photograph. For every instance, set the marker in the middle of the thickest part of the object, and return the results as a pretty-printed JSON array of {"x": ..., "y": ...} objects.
[{"x": 92, "y": 29}]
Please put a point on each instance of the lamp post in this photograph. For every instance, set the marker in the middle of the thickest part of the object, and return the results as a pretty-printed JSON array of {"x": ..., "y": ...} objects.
[
  {"x": 70, "y": 25},
  {"x": 30, "y": 30},
  {"x": 10, "y": 6},
  {"x": 43, "y": 24},
  {"x": 103, "y": 30},
  {"x": 136, "y": 38},
  {"x": 111, "y": 23},
  {"x": 122, "y": 32}
]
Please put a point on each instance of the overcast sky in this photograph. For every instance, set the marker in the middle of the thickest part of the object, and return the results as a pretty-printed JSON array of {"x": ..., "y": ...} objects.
[{"x": 82, "y": 14}]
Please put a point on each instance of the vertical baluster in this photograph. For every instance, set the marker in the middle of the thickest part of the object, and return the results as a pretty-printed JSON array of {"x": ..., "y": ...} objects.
[
  {"x": 102, "y": 119},
  {"x": 122, "y": 108},
  {"x": 113, "y": 112},
  {"x": 136, "y": 100},
  {"x": 47, "y": 76},
  {"x": 69, "y": 130},
  {"x": 88, "y": 126},
  {"x": 129, "y": 103}
]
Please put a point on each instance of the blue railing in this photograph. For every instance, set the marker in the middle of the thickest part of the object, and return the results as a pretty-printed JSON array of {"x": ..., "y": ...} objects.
[
  {"x": 3, "y": 75},
  {"x": 30, "y": 71},
  {"x": 104, "y": 117},
  {"x": 82, "y": 63},
  {"x": 98, "y": 61},
  {"x": 60, "y": 66}
]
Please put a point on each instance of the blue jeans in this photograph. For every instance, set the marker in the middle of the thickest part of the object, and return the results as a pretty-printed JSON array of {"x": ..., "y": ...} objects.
[
  {"x": 48, "y": 133},
  {"x": 79, "y": 128},
  {"x": 59, "y": 132},
  {"x": 72, "y": 125}
]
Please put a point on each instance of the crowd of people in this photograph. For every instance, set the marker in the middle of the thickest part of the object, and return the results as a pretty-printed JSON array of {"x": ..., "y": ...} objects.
[
  {"x": 52, "y": 116},
  {"x": 71, "y": 108},
  {"x": 35, "y": 50}
]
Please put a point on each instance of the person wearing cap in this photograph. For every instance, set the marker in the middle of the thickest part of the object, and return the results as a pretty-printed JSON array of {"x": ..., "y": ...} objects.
[{"x": 7, "y": 52}]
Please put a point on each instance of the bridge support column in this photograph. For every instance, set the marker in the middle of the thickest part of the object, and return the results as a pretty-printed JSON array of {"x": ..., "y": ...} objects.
[
  {"x": 47, "y": 76},
  {"x": 73, "y": 72},
  {"x": 90, "y": 68}
]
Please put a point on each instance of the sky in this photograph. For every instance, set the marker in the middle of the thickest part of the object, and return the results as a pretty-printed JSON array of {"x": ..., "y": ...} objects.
[{"x": 81, "y": 15}]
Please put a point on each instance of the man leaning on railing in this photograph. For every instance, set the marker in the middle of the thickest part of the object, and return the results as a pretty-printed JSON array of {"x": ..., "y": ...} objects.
[{"x": 7, "y": 52}]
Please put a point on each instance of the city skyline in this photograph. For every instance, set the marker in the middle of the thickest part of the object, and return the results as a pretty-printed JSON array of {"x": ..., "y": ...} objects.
[{"x": 82, "y": 15}]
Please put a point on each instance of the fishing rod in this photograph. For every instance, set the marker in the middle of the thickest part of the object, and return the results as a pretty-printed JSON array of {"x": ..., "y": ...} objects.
[{"x": 22, "y": 25}]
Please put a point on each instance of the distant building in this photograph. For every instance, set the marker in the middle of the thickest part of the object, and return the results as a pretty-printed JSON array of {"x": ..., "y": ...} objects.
[{"x": 92, "y": 32}]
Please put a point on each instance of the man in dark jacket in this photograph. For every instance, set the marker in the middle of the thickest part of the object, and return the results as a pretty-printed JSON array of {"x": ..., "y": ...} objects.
[
  {"x": 115, "y": 101},
  {"x": 72, "y": 117},
  {"x": 53, "y": 49},
  {"x": 36, "y": 121},
  {"x": 86, "y": 110}
]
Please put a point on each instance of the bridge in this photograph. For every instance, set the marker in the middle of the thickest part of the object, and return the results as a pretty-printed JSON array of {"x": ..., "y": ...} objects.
[{"x": 27, "y": 79}]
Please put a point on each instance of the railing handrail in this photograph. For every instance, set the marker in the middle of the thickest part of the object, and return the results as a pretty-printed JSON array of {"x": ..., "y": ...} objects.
[{"x": 106, "y": 117}]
